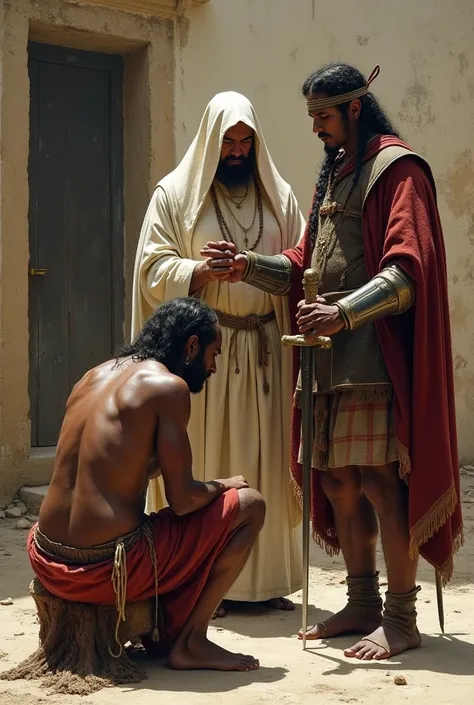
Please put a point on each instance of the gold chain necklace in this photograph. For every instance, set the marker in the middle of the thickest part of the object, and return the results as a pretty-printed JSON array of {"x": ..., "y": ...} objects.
[
  {"x": 238, "y": 201},
  {"x": 224, "y": 228},
  {"x": 244, "y": 229}
]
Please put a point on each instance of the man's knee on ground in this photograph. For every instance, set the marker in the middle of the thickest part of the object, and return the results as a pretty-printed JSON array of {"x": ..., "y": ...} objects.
[
  {"x": 251, "y": 507},
  {"x": 342, "y": 485}
]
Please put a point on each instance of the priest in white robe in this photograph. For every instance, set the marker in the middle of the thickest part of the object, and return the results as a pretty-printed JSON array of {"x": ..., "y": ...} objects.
[{"x": 228, "y": 188}]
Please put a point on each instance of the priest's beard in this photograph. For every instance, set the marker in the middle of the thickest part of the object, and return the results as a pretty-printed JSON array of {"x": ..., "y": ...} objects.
[
  {"x": 195, "y": 374},
  {"x": 236, "y": 174}
]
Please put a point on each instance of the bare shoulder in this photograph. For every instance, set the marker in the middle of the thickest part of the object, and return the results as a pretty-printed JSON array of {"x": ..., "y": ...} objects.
[
  {"x": 91, "y": 379},
  {"x": 152, "y": 382}
]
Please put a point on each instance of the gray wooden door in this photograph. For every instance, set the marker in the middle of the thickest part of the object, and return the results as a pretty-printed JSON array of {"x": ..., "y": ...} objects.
[{"x": 76, "y": 292}]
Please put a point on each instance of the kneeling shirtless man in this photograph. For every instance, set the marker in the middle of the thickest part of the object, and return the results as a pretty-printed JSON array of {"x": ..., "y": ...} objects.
[{"x": 126, "y": 421}]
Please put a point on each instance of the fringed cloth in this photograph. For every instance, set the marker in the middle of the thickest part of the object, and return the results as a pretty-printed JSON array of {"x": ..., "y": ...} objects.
[
  {"x": 115, "y": 551},
  {"x": 250, "y": 323},
  {"x": 417, "y": 352},
  {"x": 353, "y": 428}
]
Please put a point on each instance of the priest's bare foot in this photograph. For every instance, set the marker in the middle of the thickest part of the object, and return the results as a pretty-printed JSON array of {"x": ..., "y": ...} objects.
[
  {"x": 383, "y": 643},
  {"x": 201, "y": 653},
  {"x": 344, "y": 622},
  {"x": 281, "y": 603}
]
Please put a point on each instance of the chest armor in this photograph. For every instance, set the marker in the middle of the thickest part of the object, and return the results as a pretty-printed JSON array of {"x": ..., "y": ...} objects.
[{"x": 355, "y": 360}]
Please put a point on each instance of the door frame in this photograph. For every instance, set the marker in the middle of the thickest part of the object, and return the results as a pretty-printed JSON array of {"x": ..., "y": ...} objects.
[{"x": 113, "y": 65}]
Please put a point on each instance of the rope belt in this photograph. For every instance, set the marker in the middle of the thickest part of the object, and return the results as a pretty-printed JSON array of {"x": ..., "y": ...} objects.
[
  {"x": 249, "y": 323},
  {"x": 116, "y": 551}
]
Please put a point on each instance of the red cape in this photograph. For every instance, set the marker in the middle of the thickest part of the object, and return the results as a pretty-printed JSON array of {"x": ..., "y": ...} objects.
[{"x": 401, "y": 224}]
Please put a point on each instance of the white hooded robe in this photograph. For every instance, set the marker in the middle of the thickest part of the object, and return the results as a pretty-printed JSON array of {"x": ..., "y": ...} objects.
[{"x": 235, "y": 428}]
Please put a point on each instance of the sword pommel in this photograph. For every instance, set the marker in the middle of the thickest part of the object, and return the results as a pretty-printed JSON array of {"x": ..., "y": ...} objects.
[{"x": 310, "y": 284}]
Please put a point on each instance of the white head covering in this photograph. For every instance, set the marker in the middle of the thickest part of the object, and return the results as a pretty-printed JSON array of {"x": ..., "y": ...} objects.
[
  {"x": 164, "y": 262},
  {"x": 189, "y": 184}
]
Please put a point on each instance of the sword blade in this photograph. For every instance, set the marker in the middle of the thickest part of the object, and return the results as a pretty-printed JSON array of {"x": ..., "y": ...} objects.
[
  {"x": 439, "y": 597},
  {"x": 307, "y": 377}
]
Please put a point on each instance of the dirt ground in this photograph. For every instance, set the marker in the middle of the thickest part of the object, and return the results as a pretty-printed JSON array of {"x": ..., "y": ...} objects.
[{"x": 440, "y": 673}]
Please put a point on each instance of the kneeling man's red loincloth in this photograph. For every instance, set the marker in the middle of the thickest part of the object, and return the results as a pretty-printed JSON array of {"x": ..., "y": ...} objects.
[{"x": 186, "y": 548}]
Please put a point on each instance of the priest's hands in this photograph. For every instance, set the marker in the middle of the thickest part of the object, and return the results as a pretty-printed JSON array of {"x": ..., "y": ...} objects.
[
  {"x": 223, "y": 261},
  {"x": 318, "y": 319}
]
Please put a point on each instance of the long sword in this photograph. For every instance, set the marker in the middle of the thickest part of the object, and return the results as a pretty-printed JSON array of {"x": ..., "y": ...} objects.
[{"x": 307, "y": 378}]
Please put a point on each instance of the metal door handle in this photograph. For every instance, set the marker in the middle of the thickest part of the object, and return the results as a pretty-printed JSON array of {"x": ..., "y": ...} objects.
[{"x": 38, "y": 272}]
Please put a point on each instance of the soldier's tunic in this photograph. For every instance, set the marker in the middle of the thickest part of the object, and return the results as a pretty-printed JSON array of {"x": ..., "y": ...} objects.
[{"x": 354, "y": 422}]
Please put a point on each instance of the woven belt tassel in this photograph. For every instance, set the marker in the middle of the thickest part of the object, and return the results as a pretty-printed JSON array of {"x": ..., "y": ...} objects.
[{"x": 250, "y": 323}]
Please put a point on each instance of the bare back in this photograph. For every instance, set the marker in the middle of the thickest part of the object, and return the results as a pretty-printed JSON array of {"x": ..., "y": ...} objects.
[{"x": 106, "y": 453}]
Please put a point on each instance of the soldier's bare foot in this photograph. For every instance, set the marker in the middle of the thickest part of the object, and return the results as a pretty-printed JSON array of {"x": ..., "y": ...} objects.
[
  {"x": 281, "y": 603},
  {"x": 383, "y": 643},
  {"x": 344, "y": 622},
  {"x": 200, "y": 653}
]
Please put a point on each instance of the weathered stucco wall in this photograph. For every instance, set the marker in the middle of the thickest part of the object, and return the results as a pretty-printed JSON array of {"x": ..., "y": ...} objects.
[
  {"x": 265, "y": 50},
  {"x": 147, "y": 45},
  {"x": 426, "y": 51}
]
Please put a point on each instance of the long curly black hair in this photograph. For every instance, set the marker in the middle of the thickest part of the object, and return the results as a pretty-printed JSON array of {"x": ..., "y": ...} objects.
[
  {"x": 336, "y": 79},
  {"x": 165, "y": 334}
]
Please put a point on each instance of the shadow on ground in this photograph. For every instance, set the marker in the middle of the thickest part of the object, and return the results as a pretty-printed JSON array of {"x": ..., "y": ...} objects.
[
  {"x": 163, "y": 679},
  {"x": 442, "y": 653},
  {"x": 439, "y": 654}
]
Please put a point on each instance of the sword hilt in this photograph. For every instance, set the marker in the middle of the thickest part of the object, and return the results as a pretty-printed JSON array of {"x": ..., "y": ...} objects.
[{"x": 310, "y": 284}]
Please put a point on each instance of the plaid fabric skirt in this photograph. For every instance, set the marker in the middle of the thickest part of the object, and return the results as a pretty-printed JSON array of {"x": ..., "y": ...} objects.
[{"x": 353, "y": 428}]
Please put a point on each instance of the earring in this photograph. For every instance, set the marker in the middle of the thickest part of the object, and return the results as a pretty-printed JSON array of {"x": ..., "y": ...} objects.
[{"x": 187, "y": 361}]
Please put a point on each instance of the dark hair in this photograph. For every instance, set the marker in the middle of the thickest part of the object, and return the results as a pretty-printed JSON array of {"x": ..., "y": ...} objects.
[
  {"x": 336, "y": 79},
  {"x": 165, "y": 334}
]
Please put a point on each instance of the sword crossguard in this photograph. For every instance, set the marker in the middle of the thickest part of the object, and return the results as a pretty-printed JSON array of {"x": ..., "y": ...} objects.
[{"x": 299, "y": 341}]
